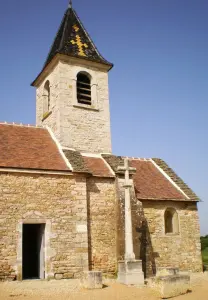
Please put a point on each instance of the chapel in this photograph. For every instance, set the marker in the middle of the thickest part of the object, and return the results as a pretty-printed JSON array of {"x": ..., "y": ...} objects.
[{"x": 62, "y": 190}]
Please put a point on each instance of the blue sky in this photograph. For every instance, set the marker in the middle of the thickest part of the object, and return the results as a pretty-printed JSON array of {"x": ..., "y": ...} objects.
[{"x": 158, "y": 86}]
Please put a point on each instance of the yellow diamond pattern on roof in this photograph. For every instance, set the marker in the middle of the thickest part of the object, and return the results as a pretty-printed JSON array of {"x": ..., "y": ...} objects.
[
  {"x": 76, "y": 28},
  {"x": 80, "y": 45}
]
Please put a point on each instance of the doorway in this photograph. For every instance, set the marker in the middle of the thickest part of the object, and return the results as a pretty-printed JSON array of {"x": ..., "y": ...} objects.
[{"x": 33, "y": 261}]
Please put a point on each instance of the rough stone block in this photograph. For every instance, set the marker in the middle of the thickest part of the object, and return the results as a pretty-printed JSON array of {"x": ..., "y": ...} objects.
[
  {"x": 166, "y": 271},
  {"x": 172, "y": 285},
  {"x": 130, "y": 272},
  {"x": 58, "y": 276},
  {"x": 68, "y": 275},
  {"x": 92, "y": 280}
]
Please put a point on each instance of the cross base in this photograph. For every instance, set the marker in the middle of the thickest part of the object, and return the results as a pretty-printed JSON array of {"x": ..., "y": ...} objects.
[{"x": 130, "y": 272}]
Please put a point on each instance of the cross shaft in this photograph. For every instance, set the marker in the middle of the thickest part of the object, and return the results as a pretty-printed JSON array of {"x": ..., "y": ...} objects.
[{"x": 129, "y": 252}]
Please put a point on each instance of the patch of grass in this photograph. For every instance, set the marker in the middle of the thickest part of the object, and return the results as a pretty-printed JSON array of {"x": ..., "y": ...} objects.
[{"x": 205, "y": 256}]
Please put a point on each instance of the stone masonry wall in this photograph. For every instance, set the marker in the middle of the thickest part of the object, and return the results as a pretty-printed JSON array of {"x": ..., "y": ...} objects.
[
  {"x": 181, "y": 250},
  {"x": 78, "y": 126},
  {"x": 102, "y": 225},
  {"x": 82, "y": 127},
  {"x": 57, "y": 201},
  {"x": 151, "y": 244},
  {"x": 53, "y": 119}
]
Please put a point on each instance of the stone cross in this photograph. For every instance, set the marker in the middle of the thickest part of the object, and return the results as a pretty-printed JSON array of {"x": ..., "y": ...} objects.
[{"x": 129, "y": 252}]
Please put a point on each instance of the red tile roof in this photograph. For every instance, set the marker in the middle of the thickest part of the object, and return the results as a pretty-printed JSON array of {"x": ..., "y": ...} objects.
[
  {"x": 25, "y": 147},
  {"x": 29, "y": 148},
  {"x": 150, "y": 180},
  {"x": 97, "y": 166},
  {"x": 150, "y": 183}
]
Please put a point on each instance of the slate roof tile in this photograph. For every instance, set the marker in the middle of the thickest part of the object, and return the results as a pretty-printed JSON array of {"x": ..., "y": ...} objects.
[{"x": 72, "y": 39}]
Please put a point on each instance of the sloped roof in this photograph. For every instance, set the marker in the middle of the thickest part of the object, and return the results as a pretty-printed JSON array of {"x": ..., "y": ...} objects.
[
  {"x": 72, "y": 39},
  {"x": 97, "y": 166},
  {"x": 26, "y": 147},
  {"x": 77, "y": 161},
  {"x": 154, "y": 180},
  {"x": 29, "y": 148},
  {"x": 170, "y": 172},
  {"x": 150, "y": 183},
  {"x": 94, "y": 165}
]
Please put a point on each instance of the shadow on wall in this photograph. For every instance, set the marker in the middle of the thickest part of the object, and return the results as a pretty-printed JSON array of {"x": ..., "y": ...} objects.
[{"x": 147, "y": 255}]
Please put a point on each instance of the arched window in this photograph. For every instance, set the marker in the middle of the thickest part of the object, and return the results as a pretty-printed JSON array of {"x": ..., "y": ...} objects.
[
  {"x": 84, "y": 88},
  {"x": 46, "y": 98},
  {"x": 171, "y": 221}
]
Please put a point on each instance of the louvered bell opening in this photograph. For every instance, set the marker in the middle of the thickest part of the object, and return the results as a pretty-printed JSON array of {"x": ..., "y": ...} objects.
[{"x": 83, "y": 89}]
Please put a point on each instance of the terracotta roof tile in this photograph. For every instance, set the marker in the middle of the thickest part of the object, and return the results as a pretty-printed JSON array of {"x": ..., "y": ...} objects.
[
  {"x": 185, "y": 188},
  {"x": 29, "y": 148},
  {"x": 97, "y": 166},
  {"x": 150, "y": 183}
]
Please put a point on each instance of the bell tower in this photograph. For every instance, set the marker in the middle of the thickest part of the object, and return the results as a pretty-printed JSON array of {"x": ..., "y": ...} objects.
[{"x": 72, "y": 89}]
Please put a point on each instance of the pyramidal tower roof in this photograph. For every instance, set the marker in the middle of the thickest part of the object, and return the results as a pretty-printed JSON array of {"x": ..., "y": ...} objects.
[{"x": 72, "y": 39}]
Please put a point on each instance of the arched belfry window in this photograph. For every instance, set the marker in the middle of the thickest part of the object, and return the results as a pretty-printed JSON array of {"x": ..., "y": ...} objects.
[
  {"x": 46, "y": 98},
  {"x": 84, "y": 94},
  {"x": 171, "y": 221}
]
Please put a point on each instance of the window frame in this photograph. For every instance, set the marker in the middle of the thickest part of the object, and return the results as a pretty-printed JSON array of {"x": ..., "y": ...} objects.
[
  {"x": 46, "y": 100},
  {"x": 95, "y": 95},
  {"x": 174, "y": 222},
  {"x": 84, "y": 88}
]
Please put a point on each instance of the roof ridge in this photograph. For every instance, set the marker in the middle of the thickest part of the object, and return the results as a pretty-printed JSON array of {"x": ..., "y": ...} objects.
[
  {"x": 169, "y": 178},
  {"x": 90, "y": 39},
  {"x": 22, "y": 125},
  {"x": 176, "y": 179},
  {"x": 88, "y": 154},
  {"x": 137, "y": 158},
  {"x": 61, "y": 152}
]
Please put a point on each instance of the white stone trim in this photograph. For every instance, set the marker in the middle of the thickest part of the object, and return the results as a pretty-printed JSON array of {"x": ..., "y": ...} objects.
[
  {"x": 167, "y": 177},
  {"x": 95, "y": 155},
  {"x": 22, "y": 125},
  {"x": 59, "y": 148},
  {"x": 109, "y": 167},
  {"x": 67, "y": 148}
]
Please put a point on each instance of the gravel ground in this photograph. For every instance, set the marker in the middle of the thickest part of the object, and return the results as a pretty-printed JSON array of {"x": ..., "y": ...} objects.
[{"x": 71, "y": 290}]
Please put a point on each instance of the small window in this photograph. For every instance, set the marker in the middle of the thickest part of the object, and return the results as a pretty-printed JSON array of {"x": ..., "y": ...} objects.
[
  {"x": 84, "y": 89},
  {"x": 46, "y": 98},
  {"x": 171, "y": 221}
]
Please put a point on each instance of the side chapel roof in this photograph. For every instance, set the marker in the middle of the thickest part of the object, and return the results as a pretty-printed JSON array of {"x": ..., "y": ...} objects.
[{"x": 154, "y": 179}]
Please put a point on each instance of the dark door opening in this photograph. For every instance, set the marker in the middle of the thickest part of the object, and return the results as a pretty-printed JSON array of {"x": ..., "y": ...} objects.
[{"x": 33, "y": 251}]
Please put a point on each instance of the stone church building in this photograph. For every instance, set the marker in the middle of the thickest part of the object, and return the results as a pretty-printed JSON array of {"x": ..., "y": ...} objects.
[{"x": 61, "y": 190}]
